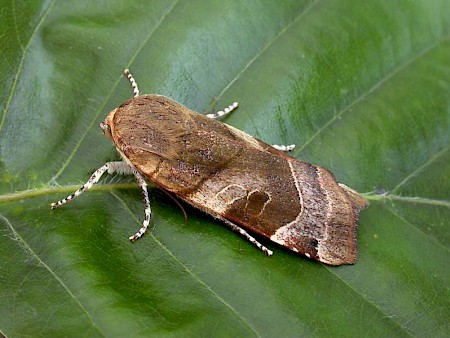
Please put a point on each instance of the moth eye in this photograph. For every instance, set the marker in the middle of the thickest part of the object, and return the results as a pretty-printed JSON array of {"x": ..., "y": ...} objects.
[{"x": 106, "y": 129}]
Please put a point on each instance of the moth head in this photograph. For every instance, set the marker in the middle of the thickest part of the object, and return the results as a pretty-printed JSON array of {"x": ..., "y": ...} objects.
[{"x": 106, "y": 125}]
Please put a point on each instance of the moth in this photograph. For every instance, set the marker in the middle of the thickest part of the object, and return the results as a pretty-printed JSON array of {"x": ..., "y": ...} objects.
[{"x": 245, "y": 183}]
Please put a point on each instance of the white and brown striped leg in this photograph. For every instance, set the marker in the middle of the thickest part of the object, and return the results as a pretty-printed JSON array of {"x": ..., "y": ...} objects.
[
  {"x": 283, "y": 147},
  {"x": 141, "y": 181},
  {"x": 222, "y": 113},
  {"x": 249, "y": 237},
  {"x": 111, "y": 167},
  {"x": 132, "y": 82},
  {"x": 229, "y": 109},
  {"x": 119, "y": 168}
]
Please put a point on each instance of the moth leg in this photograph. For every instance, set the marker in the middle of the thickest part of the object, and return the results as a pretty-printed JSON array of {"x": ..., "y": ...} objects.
[
  {"x": 249, "y": 237},
  {"x": 123, "y": 169},
  {"x": 111, "y": 167},
  {"x": 141, "y": 181},
  {"x": 224, "y": 112},
  {"x": 133, "y": 83},
  {"x": 283, "y": 147}
]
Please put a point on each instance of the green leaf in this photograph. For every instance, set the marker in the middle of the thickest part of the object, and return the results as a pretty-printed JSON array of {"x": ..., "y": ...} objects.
[{"x": 361, "y": 87}]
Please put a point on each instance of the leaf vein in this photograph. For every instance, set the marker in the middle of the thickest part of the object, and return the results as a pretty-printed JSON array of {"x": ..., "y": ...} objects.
[
  {"x": 97, "y": 113},
  {"x": 420, "y": 168},
  {"x": 372, "y": 89},
  {"x": 261, "y": 51},
  {"x": 189, "y": 271},
  {"x": 21, "y": 63},
  {"x": 57, "y": 278},
  {"x": 368, "y": 301},
  {"x": 436, "y": 242}
]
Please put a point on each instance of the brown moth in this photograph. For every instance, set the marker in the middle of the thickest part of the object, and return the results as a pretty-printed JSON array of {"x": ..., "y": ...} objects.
[{"x": 244, "y": 182}]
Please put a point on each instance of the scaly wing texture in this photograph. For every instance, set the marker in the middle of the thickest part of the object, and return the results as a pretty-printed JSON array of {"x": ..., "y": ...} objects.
[{"x": 228, "y": 173}]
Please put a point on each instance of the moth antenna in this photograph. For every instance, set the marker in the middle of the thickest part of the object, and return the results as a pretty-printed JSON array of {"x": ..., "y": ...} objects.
[
  {"x": 284, "y": 147},
  {"x": 132, "y": 82},
  {"x": 224, "y": 112}
]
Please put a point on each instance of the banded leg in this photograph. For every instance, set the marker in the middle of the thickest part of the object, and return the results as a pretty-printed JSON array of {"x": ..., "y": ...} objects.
[
  {"x": 224, "y": 112},
  {"x": 283, "y": 147},
  {"x": 111, "y": 167},
  {"x": 132, "y": 82},
  {"x": 119, "y": 168},
  {"x": 141, "y": 181},
  {"x": 247, "y": 236},
  {"x": 229, "y": 109}
]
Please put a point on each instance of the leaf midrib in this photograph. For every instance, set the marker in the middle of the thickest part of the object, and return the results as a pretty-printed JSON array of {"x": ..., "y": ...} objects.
[{"x": 106, "y": 187}]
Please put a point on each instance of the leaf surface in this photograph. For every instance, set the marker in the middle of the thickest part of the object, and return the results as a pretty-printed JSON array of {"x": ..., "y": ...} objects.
[{"x": 362, "y": 88}]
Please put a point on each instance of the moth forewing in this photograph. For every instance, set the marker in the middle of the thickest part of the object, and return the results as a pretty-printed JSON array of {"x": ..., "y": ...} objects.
[
  {"x": 244, "y": 182},
  {"x": 230, "y": 174}
]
